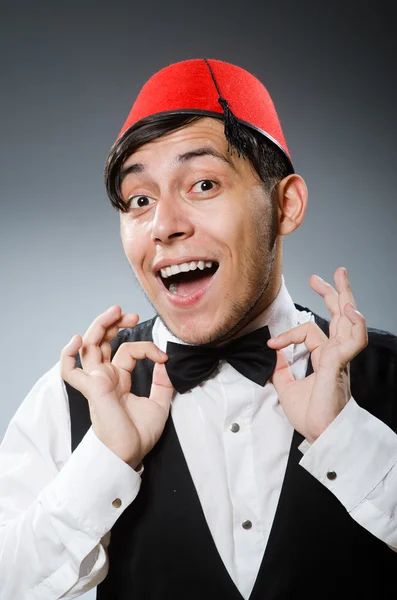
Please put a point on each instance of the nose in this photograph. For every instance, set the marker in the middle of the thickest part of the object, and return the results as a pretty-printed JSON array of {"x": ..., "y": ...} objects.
[{"x": 171, "y": 220}]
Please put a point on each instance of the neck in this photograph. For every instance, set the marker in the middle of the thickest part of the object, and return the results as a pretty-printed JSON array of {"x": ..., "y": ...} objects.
[{"x": 270, "y": 292}]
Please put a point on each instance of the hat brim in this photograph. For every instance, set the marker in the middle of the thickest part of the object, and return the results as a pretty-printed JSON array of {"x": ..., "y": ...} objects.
[{"x": 217, "y": 115}]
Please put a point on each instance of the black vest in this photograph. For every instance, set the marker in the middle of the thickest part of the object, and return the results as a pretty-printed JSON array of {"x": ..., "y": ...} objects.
[{"x": 161, "y": 547}]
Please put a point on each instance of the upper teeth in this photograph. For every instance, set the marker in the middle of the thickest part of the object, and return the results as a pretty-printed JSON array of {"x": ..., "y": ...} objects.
[{"x": 184, "y": 267}]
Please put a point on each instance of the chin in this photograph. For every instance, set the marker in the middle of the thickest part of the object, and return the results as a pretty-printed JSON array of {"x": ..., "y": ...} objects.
[
  {"x": 207, "y": 321},
  {"x": 202, "y": 330},
  {"x": 193, "y": 329}
]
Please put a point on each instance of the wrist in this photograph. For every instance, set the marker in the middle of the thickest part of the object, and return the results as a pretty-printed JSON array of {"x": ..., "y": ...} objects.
[
  {"x": 135, "y": 463},
  {"x": 139, "y": 468},
  {"x": 134, "y": 460}
]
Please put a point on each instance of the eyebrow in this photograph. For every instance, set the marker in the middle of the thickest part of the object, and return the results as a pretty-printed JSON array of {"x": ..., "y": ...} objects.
[
  {"x": 205, "y": 151},
  {"x": 181, "y": 158}
]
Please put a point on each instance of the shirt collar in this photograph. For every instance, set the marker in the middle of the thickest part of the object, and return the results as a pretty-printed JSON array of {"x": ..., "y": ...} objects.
[{"x": 279, "y": 316}]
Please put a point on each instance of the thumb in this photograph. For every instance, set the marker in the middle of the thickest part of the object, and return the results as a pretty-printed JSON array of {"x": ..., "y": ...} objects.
[
  {"x": 282, "y": 374},
  {"x": 161, "y": 390}
]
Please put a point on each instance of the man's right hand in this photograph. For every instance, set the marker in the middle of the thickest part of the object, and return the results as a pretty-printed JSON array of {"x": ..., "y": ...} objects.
[{"x": 128, "y": 425}]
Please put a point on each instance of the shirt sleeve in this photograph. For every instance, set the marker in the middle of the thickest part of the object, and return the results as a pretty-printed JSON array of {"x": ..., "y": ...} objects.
[
  {"x": 56, "y": 508},
  {"x": 356, "y": 459}
]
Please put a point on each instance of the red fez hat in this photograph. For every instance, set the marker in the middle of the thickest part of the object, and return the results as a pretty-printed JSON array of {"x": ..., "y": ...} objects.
[{"x": 210, "y": 88}]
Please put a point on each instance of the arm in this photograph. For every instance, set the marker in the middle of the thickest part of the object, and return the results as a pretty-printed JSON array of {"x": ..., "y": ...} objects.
[
  {"x": 362, "y": 452},
  {"x": 355, "y": 448},
  {"x": 56, "y": 508}
]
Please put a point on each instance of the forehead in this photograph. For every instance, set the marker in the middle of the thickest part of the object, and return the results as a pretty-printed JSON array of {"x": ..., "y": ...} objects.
[{"x": 205, "y": 132}]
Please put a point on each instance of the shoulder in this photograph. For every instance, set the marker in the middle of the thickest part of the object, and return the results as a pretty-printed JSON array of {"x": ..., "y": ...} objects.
[
  {"x": 48, "y": 391},
  {"x": 42, "y": 420},
  {"x": 379, "y": 359},
  {"x": 373, "y": 376}
]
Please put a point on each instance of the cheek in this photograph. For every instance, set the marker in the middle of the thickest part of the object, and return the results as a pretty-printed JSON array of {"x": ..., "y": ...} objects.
[
  {"x": 236, "y": 225},
  {"x": 133, "y": 242},
  {"x": 232, "y": 216}
]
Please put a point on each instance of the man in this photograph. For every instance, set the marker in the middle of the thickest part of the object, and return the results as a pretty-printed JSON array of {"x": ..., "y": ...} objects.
[{"x": 235, "y": 445}]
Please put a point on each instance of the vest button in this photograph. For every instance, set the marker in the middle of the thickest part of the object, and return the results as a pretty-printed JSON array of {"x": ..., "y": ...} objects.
[
  {"x": 116, "y": 503},
  {"x": 235, "y": 427},
  {"x": 246, "y": 524},
  {"x": 331, "y": 475}
]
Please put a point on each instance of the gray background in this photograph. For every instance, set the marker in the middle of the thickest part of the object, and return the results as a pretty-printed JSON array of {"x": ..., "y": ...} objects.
[{"x": 69, "y": 74}]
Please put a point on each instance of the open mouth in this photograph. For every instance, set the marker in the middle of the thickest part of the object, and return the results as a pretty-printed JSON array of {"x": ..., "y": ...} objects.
[{"x": 186, "y": 283}]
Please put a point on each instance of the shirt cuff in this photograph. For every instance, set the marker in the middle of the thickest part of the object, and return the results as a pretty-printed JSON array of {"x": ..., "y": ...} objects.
[
  {"x": 352, "y": 455},
  {"x": 93, "y": 489}
]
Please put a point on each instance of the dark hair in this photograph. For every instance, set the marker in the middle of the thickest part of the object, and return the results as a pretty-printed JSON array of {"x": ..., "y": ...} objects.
[{"x": 269, "y": 161}]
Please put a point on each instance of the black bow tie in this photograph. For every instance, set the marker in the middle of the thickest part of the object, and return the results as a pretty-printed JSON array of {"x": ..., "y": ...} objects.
[{"x": 187, "y": 366}]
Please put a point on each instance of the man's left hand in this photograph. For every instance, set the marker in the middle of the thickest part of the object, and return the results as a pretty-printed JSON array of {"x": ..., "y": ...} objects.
[{"x": 312, "y": 403}]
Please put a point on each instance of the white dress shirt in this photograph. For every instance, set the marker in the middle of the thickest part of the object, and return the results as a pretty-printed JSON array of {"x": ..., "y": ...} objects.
[{"x": 57, "y": 508}]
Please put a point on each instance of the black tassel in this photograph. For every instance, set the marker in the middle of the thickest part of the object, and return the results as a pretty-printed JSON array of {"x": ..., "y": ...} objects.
[{"x": 233, "y": 131}]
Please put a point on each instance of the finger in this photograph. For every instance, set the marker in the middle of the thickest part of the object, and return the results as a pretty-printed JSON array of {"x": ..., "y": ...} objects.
[
  {"x": 91, "y": 353},
  {"x": 111, "y": 333},
  {"x": 330, "y": 296},
  {"x": 68, "y": 360},
  {"x": 129, "y": 352},
  {"x": 345, "y": 294},
  {"x": 308, "y": 333},
  {"x": 328, "y": 293},
  {"x": 282, "y": 374},
  {"x": 359, "y": 338},
  {"x": 110, "y": 319},
  {"x": 359, "y": 329},
  {"x": 106, "y": 351},
  {"x": 69, "y": 373},
  {"x": 128, "y": 320},
  {"x": 161, "y": 390}
]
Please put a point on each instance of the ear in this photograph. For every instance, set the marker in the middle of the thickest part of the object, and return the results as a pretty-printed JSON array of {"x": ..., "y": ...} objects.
[{"x": 292, "y": 202}]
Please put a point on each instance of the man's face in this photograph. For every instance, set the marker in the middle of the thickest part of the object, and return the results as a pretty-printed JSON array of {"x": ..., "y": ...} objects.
[{"x": 191, "y": 200}]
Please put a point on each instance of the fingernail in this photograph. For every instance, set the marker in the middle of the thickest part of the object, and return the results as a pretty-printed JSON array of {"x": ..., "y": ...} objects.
[{"x": 319, "y": 278}]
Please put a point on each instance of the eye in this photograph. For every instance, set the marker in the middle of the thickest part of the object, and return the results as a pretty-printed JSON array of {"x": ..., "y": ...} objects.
[
  {"x": 141, "y": 201},
  {"x": 205, "y": 185}
]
